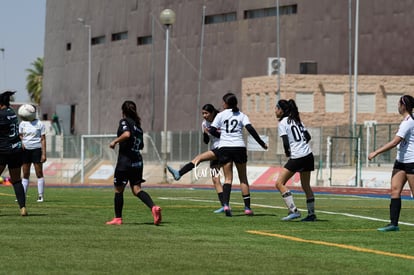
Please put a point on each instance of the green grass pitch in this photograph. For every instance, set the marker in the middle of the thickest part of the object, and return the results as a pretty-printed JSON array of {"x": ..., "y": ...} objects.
[{"x": 67, "y": 235}]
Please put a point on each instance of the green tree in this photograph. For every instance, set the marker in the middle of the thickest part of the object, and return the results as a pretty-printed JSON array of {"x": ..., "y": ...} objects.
[{"x": 34, "y": 80}]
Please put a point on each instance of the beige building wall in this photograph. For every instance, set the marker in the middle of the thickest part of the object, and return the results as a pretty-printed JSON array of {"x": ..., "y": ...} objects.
[{"x": 259, "y": 97}]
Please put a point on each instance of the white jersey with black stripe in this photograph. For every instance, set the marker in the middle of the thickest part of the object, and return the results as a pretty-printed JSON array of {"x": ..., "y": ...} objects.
[
  {"x": 297, "y": 141},
  {"x": 230, "y": 124},
  {"x": 214, "y": 141},
  {"x": 405, "y": 152}
]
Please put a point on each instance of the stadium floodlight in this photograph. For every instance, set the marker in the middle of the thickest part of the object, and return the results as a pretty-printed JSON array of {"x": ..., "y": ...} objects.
[{"x": 167, "y": 18}]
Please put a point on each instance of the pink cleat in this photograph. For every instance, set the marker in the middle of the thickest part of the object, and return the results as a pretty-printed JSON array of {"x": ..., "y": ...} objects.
[
  {"x": 115, "y": 221},
  {"x": 248, "y": 211},
  {"x": 156, "y": 213}
]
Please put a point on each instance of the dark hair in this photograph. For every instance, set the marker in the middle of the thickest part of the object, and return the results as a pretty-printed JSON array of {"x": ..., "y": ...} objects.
[
  {"x": 5, "y": 98},
  {"x": 211, "y": 109},
  {"x": 284, "y": 106},
  {"x": 290, "y": 110},
  {"x": 129, "y": 109},
  {"x": 408, "y": 102},
  {"x": 231, "y": 100}
]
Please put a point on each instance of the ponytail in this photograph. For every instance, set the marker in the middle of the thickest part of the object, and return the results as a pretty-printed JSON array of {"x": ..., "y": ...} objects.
[
  {"x": 231, "y": 100},
  {"x": 129, "y": 109}
]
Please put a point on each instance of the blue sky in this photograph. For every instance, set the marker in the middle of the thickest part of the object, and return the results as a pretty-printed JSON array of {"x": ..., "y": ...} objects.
[{"x": 22, "y": 32}]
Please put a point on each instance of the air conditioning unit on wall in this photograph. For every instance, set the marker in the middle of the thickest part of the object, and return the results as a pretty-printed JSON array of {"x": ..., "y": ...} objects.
[{"x": 276, "y": 65}]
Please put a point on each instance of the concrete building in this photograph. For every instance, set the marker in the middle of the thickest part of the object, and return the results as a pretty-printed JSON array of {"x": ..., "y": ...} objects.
[
  {"x": 206, "y": 60},
  {"x": 323, "y": 100}
]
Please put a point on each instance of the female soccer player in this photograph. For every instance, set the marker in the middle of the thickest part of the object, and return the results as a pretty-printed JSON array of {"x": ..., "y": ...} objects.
[
  {"x": 296, "y": 144},
  {"x": 129, "y": 166},
  {"x": 229, "y": 123},
  {"x": 11, "y": 148},
  {"x": 209, "y": 112},
  {"x": 403, "y": 169},
  {"x": 33, "y": 135}
]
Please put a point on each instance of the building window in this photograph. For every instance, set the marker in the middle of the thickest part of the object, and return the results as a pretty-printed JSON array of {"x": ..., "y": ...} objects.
[
  {"x": 134, "y": 5},
  {"x": 249, "y": 103},
  {"x": 68, "y": 46},
  {"x": 304, "y": 101},
  {"x": 257, "y": 103},
  {"x": 392, "y": 103},
  {"x": 98, "y": 40},
  {"x": 366, "y": 103},
  {"x": 334, "y": 102},
  {"x": 119, "y": 36},
  {"x": 144, "y": 40},
  {"x": 265, "y": 12},
  {"x": 220, "y": 18},
  {"x": 266, "y": 102}
]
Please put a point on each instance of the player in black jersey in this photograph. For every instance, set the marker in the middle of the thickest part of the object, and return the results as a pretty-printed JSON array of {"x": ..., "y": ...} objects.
[
  {"x": 11, "y": 150},
  {"x": 129, "y": 165}
]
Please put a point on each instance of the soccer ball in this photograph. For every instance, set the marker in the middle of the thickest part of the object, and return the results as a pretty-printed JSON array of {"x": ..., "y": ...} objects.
[{"x": 27, "y": 112}]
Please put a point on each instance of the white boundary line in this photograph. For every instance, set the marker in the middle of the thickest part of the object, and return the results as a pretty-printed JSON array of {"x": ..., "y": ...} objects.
[{"x": 279, "y": 207}]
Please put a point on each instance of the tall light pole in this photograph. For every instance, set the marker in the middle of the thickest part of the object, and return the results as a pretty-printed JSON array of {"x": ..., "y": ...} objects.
[
  {"x": 81, "y": 20},
  {"x": 278, "y": 47},
  {"x": 354, "y": 118},
  {"x": 2, "y": 50},
  {"x": 167, "y": 18}
]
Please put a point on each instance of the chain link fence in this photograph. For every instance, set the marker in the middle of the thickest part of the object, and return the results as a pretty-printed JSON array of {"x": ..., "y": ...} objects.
[{"x": 69, "y": 158}]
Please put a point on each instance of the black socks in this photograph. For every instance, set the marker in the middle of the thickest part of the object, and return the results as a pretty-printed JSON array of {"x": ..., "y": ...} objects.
[
  {"x": 395, "y": 208},
  {"x": 118, "y": 204},
  {"x": 20, "y": 195},
  {"x": 186, "y": 168},
  {"x": 226, "y": 193},
  {"x": 145, "y": 198}
]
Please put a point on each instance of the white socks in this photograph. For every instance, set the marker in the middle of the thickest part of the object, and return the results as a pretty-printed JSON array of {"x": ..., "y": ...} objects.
[
  {"x": 288, "y": 198},
  {"x": 25, "y": 183},
  {"x": 40, "y": 186}
]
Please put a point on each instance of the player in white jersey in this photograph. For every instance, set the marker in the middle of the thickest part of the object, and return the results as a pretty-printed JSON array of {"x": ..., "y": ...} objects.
[
  {"x": 230, "y": 123},
  {"x": 209, "y": 112},
  {"x": 403, "y": 169},
  {"x": 295, "y": 139},
  {"x": 33, "y": 136}
]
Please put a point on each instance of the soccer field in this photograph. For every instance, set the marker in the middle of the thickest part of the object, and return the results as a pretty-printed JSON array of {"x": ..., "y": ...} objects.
[{"x": 67, "y": 235}]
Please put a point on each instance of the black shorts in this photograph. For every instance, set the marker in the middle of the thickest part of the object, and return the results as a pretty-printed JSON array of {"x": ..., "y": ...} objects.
[
  {"x": 13, "y": 160},
  {"x": 214, "y": 163},
  {"x": 32, "y": 155},
  {"x": 303, "y": 164},
  {"x": 133, "y": 176},
  {"x": 234, "y": 154},
  {"x": 408, "y": 168}
]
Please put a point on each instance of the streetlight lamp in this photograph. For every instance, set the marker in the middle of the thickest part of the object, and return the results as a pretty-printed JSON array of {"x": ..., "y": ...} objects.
[
  {"x": 82, "y": 21},
  {"x": 167, "y": 18}
]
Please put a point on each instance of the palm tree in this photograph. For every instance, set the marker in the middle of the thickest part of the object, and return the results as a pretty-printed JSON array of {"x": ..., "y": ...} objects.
[{"x": 34, "y": 80}]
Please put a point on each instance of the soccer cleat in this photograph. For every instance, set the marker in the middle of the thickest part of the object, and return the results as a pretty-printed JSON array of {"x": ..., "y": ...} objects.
[
  {"x": 40, "y": 199},
  {"x": 291, "y": 216},
  {"x": 115, "y": 221},
  {"x": 248, "y": 211},
  {"x": 389, "y": 227},
  {"x": 174, "y": 173},
  {"x": 156, "y": 213},
  {"x": 309, "y": 218},
  {"x": 220, "y": 210},
  {"x": 23, "y": 212},
  {"x": 227, "y": 211}
]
